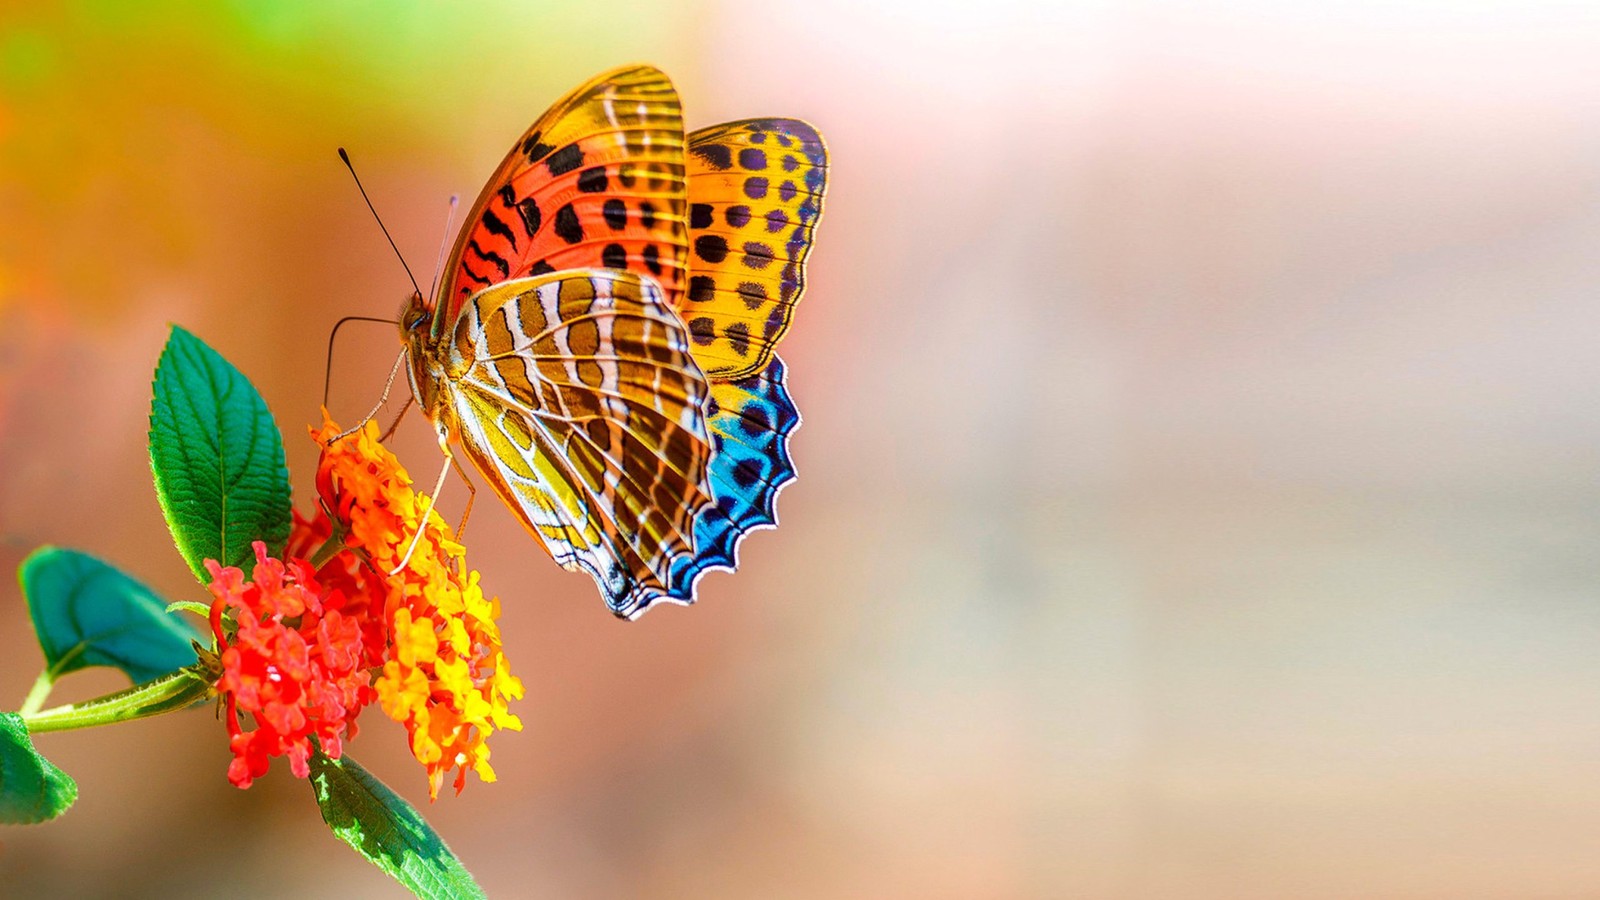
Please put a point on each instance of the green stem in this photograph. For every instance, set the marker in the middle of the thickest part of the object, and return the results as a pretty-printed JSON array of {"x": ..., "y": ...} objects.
[
  {"x": 329, "y": 548},
  {"x": 171, "y": 692},
  {"x": 41, "y": 691},
  {"x": 47, "y": 679}
]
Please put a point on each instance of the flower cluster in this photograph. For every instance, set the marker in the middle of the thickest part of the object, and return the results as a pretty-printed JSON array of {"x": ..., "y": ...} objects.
[
  {"x": 295, "y": 664},
  {"x": 421, "y": 641},
  {"x": 445, "y": 676}
]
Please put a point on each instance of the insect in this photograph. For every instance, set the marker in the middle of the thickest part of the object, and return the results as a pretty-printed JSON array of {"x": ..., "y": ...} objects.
[{"x": 602, "y": 344}]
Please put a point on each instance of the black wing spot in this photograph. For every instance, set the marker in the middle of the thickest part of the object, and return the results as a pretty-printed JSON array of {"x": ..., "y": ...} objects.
[
  {"x": 534, "y": 149},
  {"x": 652, "y": 259},
  {"x": 716, "y": 156},
  {"x": 565, "y": 160},
  {"x": 789, "y": 282},
  {"x": 747, "y": 472},
  {"x": 474, "y": 275},
  {"x": 541, "y": 268},
  {"x": 528, "y": 210},
  {"x": 713, "y": 248},
  {"x": 494, "y": 226},
  {"x": 616, "y": 213},
  {"x": 592, "y": 181},
  {"x": 614, "y": 256},
  {"x": 757, "y": 255},
  {"x": 700, "y": 215},
  {"x": 755, "y": 420},
  {"x": 738, "y": 335},
  {"x": 568, "y": 228},
  {"x": 491, "y": 257},
  {"x": 702, "y": 288},
  {"x": 754, "y": 293}
]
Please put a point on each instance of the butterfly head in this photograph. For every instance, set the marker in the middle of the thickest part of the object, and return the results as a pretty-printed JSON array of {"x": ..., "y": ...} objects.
[
  {"x": 416, "y": 334},
  {"x": 414, "y": 314}
]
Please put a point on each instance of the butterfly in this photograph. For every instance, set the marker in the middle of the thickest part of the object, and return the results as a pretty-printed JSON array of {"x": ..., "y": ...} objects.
[{"x": 602, "y": 345}]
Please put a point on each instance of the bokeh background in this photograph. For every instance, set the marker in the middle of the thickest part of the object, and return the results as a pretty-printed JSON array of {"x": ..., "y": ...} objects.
[{"x": 1198, "y": 488}]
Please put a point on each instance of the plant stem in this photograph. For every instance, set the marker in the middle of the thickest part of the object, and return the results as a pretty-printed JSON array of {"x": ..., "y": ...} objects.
[
  {"x": 165, "y": 694},
  {"x": 37, "y": 696},
  {"x": 331, "y": 546}
]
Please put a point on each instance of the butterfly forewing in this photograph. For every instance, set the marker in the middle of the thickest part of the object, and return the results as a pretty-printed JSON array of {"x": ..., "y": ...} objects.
[
  {"x": 576, "y": 396},
  {"x": 755, "y": 195},
  {"x": 596, "y": 181}
]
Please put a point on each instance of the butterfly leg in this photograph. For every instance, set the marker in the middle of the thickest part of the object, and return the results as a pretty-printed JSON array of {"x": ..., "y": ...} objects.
[
  {"x": 396, "y": 423},
  {"x": 433, "y": 499},
  {"x": 381, "y": 401},
  {"x": 472, "y": 495}
]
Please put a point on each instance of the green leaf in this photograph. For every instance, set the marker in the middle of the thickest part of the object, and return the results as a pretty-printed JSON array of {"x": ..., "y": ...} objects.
[
  {"x": 217, "y": 457},
  {"x": 32, "y": 789},
  {"x": 87, "y": 613},
  {"x": 387, "y": 830}
]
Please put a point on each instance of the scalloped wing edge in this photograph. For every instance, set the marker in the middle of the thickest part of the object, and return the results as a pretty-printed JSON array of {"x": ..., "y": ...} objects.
[{"x": 723, "y": 555}]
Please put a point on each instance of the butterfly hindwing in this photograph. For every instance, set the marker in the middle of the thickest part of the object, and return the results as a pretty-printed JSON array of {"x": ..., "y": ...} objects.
[
  {"x": 755, "y": 195},
  {"x": 597, "y": 181},
  {"x": 750, "y": 420},
  {"x": 575, "y": 395}
]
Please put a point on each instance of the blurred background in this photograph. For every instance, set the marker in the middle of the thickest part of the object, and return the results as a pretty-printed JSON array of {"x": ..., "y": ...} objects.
[{"x": 1198, "y": 488}]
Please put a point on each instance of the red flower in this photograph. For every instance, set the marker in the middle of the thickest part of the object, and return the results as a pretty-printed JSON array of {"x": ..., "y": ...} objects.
[{"x": 296, "y": 664}]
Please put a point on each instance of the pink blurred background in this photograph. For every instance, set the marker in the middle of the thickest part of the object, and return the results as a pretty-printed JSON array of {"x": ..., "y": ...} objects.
[{"x": 1198, "y": 488}]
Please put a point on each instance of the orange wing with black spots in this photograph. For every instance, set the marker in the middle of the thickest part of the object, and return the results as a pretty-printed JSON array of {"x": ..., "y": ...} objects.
[
  {"x": 755, "y": 195},
  {"x": 598, "y": 181}
]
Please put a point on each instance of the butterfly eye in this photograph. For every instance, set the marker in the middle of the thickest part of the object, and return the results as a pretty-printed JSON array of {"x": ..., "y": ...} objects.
[{"x": 413, "y": 313}]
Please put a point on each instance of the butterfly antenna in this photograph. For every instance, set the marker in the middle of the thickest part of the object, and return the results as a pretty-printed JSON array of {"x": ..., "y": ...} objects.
[
  {"x": 327, "y": 371},
  {"x": 346, "y": 157},
  {"x": 438, "y": 267}
]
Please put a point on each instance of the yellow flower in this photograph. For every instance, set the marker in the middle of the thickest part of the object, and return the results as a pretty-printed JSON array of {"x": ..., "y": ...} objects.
[{"x": 446, "y": 677}]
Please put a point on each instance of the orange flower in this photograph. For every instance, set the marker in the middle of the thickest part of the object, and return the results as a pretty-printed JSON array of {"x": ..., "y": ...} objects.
[{"x": 444, "y": 675}]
